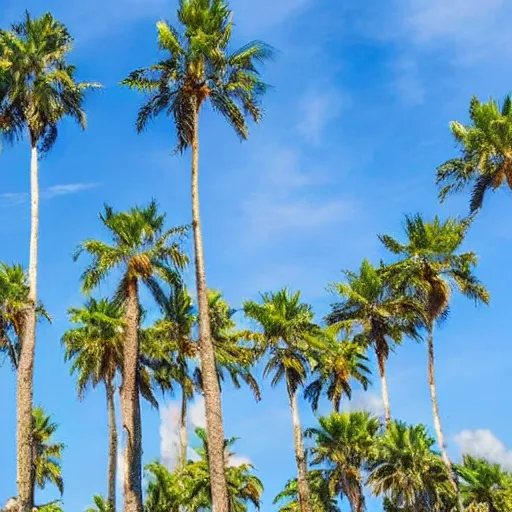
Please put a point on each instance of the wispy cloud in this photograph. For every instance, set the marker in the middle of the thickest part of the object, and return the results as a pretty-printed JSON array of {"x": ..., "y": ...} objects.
[
  {"x": 17, "y": 198},
  {"x": 484, "y": 444},
  {"x": 366, "y": 401},
  {"x": 407, "y": 83}
]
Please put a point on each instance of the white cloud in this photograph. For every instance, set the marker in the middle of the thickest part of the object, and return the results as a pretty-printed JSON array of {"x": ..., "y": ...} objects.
[
  {"x": 12, "y": 198},
  {"x": 238, "y": 460},
  {"x": 484, "y": 444},
  {"x": 169, "y": 434},
  {"x": 366, "y": 401},
  {"x": 120, "y": 467},
  {"x": 197, "y": 413},
  {"x": 407, "y": 84},
  {"x": 317, "y": 110}
]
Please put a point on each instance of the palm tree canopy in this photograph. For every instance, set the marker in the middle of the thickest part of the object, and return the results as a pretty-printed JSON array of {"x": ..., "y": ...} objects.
[
  {"x": 38, "y": 87},
  {"x": 289, "y": 336},
  {"x": 198, "y": 66},
  {"x": 431, "y": 264},
  {"x": 486, "y": 152},
  {"x": 141, "y": 248},
  {"x": 48, "y": 454},
  {"x": 100, "y": 505},
  {"x": 405, "y": 470},
  {"x": 370, "y": 304},
  {"x": 338, "y": 364}
]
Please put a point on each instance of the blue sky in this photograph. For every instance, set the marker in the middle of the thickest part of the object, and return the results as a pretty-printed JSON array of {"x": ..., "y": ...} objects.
[{"x": 355, "y": 125}]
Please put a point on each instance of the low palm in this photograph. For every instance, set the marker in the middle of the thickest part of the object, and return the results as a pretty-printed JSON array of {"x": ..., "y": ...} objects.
[
  {"x": 47, "y": 453},
  {"x": 338, "y": 364},
  {"x": 406, "y": 471},
  {"x": 291, "y": 339},
  {"x": 430, "y": 264},
  {"x": 343, "y": 444},
  {"x": 141, "y": 249},
  {"x": 485, "y": 163},
  {"x": 100, "y": 505},
  {"x": 383, "y": 316}
]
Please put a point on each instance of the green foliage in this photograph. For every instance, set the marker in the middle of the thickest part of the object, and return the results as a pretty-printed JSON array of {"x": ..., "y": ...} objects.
[
  {"x": 37, "y": 86},
  {"x": 486, "y": 152},
  {"x": 100, "y": 505},
  {"x": 404, "y": 469},
  {"x": 48, "y": 454},
  {"x": 199, "y": 67},
  {"x": 322, "y": 500}
]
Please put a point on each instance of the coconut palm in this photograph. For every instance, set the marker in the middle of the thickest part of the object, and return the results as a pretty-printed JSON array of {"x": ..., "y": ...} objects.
[
  {"x": 199, "y": 68},
  {"x": 140, "y": 250},
  {"x": 166, "y": 491},
  {"x": 39, "y": 90},
  {"x": 405, "y": 470},
  {"x": 343, "y": 443},
  {"x": 338, "y": 364},
  {"x": 382, "y": 316},
  {"x": 291, "y": 340},
  {"x": 100, "y": 505},
  {"x": 486, "y": 152},
  {"x": 322, "y": 500},
  {"x": 430, "y": 265},
  {"x": 485, "y": 483},
  {"x": 47, "y": 453},
  {"x": 96, "y": 349}
]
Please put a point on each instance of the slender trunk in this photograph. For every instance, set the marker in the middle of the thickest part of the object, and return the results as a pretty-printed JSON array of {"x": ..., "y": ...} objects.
[
  {"x": 437, "y": 416},
  {"x": 300, "y": 454},
  {"x": 130, "y": 404},
  {"x": 112, "y": 447},
  {"x": 358, "y": 504},
  {"x": 211, "y": 388},
  {"x": 25, "y": 375},
  {"x": 384, "y": 386},
  {"x": 183, "y": 431}
]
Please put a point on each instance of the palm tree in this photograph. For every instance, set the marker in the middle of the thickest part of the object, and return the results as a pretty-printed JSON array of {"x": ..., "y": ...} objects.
[
  {"x": 338, "y": 364},
  {"x": 382, "y": 316},
  {"x": 290, "y": 338},
  {"x": 166, "y": 491},
  {"x": 406, "y": 471},
  {"x": 322, "y": 499},
  {"x": 486, "y": 152},
  {"x": 198, "y": 67},
  {"x": 100, "y": 505},
  {"x": 47, "y": 453},
  {"x": 430, "y": 266},
  {"x": 39, "y": 91},
  {"x": 140, "y": 249},
  {"x": 343, "y": 443},
  {"x": 486, "y": 483},
  {"x": 96, "y": 349}
]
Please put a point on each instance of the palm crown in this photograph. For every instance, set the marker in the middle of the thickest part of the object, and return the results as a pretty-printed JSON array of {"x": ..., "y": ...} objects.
[
  {"x": 37, "y": 87},
  {"x": 486, "y": 147},
  {"x": 199, "y": 67}
]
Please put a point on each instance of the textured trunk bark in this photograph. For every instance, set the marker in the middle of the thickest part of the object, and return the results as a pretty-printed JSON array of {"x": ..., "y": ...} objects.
[
  {"x": 211, "y": 388},
  {"x": 25, "y": 375},
  {"x": 300, "y": 455},
  {"x": 112, "y": 447},
  {"x": 359, "y": 504},
  {"x": 183, "y": 431},
  {"x": 384, "y": 387},
  {"x": 437, "y": 416},
  {"x": 130, "y": 404}
]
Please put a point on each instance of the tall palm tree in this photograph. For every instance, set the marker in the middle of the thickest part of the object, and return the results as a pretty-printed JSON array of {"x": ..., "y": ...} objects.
[
  {"x": 343, "y": 443},
  {"x": 47, "y": 453},
  {"x": 486, "y": 152},
  {"x": 40, "y": 89},
  {"x": 430, "y": 265},
  {"x": 322, "y": 500},
  {"x": 338, "y": 364},
  {"x": 141, "y": 249},
  {"x": 96, "y": 349},
  {"x": 486, "y": 483},
  {"x": 406, "y": 471},
  {"x": 198, "y": 67},
  {"x": 382, "y": 316},
  {"x": 291, "y": 339}
]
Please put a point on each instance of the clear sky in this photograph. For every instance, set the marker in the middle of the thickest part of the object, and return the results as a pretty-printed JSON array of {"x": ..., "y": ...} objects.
[{"x": 355, "y": 125}]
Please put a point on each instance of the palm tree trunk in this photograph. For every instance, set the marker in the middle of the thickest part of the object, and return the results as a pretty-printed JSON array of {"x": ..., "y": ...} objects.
[
  {"x": 183, "y": 430},
  {"x": 358, "y": 505},
  {"x": 25, "y": 375},
  {"x": 112, "y": 447},
  {"x": 300, "y": 454},
  {"x": 384, "y": 386},
  {"x": 437, "y": 416},
  {"x": 211, "y": 388},
  {"x": 130, "y": 404}
]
